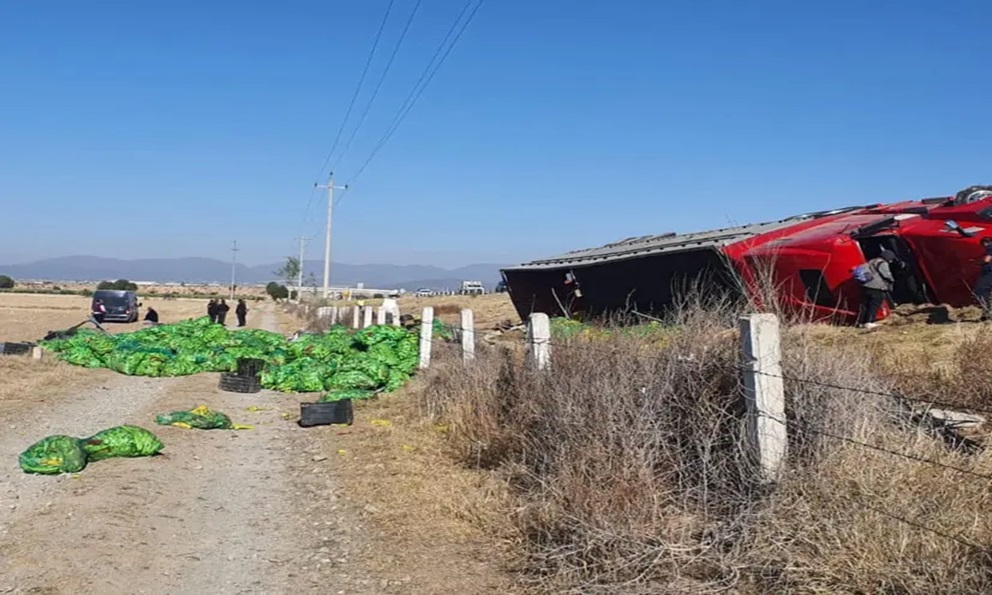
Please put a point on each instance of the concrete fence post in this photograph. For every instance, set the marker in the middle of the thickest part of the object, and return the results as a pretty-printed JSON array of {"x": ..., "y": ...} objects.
[
  {"x": 367, "y": 317},
  {"x": 426, "y": 330},
  {"x": 380, "y": 315},
  {"x": 468, "y": 336},
  {"x": 356, "y": 317},
  {"x": 764, "y": 393},
  {"x": 539, "y": 340},
  {"x": 334, "y": 315},
  {"x": 37, "y": 352}
]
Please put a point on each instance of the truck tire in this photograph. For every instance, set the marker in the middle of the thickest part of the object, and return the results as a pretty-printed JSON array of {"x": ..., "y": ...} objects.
[{"x": 233, "y": 383}]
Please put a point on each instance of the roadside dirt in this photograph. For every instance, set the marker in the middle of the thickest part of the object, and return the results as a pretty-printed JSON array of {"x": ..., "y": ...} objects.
[{"x": 252, "y": 511}]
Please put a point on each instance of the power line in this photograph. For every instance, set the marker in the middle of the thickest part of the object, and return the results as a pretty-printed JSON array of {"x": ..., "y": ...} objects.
[
  {"x": 378, "y": 86},
  {"x": 358, "y": 87},
  {"x": 425, "y": 78}
]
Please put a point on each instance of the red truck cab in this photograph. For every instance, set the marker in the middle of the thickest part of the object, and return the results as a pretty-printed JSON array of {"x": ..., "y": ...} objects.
[{"x": 803, "y": 262}]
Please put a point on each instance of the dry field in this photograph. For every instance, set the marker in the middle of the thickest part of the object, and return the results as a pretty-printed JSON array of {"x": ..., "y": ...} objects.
[
  {"x": 147, "y": 290},
  {"x": 28, "y": 317}
]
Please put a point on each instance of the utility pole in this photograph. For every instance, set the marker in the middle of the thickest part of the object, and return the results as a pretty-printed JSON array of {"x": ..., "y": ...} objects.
[
  {"x": 327, "y": 240},
  {"x": 234, "y": 261},
  {"x": 299, "y": 282}
]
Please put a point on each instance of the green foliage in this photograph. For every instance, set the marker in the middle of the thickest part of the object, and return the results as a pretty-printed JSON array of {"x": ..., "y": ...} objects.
[
  {"x": 375, "y": 359},
  {"x": 289, "y": 270},
  {"x": 276, "y": 291},
  {"x": 119, "y": 285},
  {"x": 6, "y": 282}
]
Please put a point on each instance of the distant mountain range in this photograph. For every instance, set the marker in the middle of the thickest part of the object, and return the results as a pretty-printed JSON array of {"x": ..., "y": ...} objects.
[{"x": 207, "y": 270}]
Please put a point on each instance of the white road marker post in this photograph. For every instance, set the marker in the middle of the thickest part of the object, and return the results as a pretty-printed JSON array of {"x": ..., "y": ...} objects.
[
  {"x": 764, "y": 393},
  {"x": 468, "y": 336},
  {"x": 539, "y": 341},
  {"x": 426, "y": 330}
]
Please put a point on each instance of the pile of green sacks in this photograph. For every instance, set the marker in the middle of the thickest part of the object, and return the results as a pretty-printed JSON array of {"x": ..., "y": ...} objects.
[
  {"x": 65, "y": 454},
  {"x": 342, "y": 362}
]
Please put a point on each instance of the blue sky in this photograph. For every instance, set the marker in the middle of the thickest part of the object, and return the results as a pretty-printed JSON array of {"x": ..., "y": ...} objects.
[{"x": 142, "y": 131}]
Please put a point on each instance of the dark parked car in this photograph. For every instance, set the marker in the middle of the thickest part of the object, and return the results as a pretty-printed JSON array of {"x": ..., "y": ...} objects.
[{"x": 122, "y": 306}]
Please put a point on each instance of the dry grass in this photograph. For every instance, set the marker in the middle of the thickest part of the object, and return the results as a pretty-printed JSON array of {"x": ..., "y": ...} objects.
[
  {"x": 28, "y": 317},
  {"x": 152, "y": 290},
  {"x": 626, "y": 472}
]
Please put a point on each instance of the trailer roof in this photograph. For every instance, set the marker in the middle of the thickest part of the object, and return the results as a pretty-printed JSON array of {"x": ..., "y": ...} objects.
[{"x": 637, "y": 247}]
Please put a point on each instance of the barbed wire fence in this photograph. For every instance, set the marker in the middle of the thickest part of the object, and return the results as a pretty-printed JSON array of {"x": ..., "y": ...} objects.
[{"x": 763, "y": 383}]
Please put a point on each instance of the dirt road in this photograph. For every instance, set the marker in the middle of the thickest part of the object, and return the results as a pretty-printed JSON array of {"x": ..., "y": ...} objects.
[{"x": 251, "y": 511}]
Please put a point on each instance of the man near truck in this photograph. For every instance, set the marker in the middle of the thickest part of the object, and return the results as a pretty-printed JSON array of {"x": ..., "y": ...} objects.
[
  {"x": 876, "y": 281},
  {"x": 983, "y": 288}
]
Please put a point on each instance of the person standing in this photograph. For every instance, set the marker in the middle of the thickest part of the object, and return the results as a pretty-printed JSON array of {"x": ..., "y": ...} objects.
[
  {"x": 242, "y": 312},
  {"x": 99, "y": 311},
  {"x": 876, "y": 282},
  {"x": 983, "y": 288},
  {"x": 212, "y": 310},
  {"x": 222, "y": 309}
]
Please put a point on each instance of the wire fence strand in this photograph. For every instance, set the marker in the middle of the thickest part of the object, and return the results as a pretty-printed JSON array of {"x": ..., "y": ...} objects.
[{"x": 802, "y": 427}]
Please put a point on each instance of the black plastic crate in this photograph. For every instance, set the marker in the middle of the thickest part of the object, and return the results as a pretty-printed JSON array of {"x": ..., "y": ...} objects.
[
  {"x": 325, "y": 414},
  {"x": 15, "y": 348}
]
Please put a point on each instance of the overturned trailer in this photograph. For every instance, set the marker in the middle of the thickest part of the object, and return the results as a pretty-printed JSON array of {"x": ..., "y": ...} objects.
[{"x": 804, "y": 262}]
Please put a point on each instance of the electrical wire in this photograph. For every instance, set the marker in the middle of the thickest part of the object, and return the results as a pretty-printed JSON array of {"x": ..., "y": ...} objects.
[
  {"x": 422, "y": 83},
  {"x": 378, "y": 86},
  {"x": 358, "y": 87}
]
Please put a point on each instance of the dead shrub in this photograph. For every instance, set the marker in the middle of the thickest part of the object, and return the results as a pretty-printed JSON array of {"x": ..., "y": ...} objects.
[
  {"x": 447, "y": 309},
  {"x": 964, "y": 380},
  {"x": 629, "y": 472}
]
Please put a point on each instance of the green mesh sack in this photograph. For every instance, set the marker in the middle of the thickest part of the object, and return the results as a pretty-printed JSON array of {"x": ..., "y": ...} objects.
[
  {"x": 373, "y": 358},
  {"x": 355, "y": 394},
  {"x": 200, "y": 418},
  {"x": 350, "y": 379},
  {"x": 54, "y": 455},
  {"x": 385, "y": 352},
  {"x": 397, "y": 378},
  {"x": 122, "y": 441}
]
